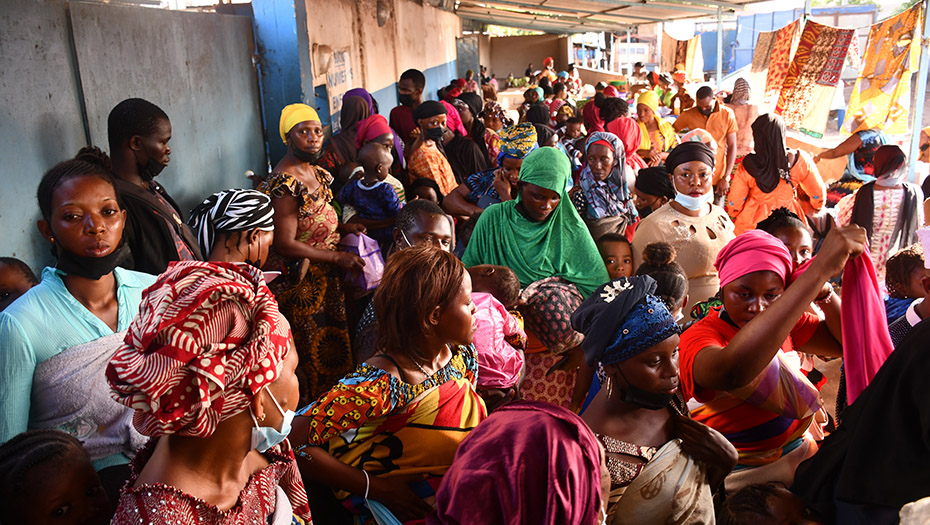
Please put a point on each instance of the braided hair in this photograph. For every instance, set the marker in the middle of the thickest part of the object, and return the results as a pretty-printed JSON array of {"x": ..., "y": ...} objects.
[
  {"x": 780, "y": 218},
  {"x": 671, "y": 279},
  {"x": 89, "y": 161},
  {"x": 25, "y": 452},
  {"x": 899, "y": 268}
]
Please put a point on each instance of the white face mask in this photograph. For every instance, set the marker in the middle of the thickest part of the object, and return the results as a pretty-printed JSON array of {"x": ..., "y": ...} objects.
[
  {"x": 693, "y": 203},
  {"x": 263, "y": 438}
]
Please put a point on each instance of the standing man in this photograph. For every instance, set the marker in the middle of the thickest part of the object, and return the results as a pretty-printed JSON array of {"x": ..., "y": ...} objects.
[
  {"x": 710, "y": 115},
  {"x": 410, "y": 95}
]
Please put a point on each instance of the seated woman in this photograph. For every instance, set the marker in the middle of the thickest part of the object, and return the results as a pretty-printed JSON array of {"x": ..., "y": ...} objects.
[
  {"x": 483, "y": 189},
  {"x": 769, "y": 178},
  {"x": 554, "y": 467},
  {"x": 691, "y": 223},
  {"x": 889, "y": 208},
  {"x": 208, "y": 366},
  {"x": 426, "y": 159},
  {"x": 401, "y": 415},
  {"x": 632, "y": 341},
  {"x": 309, "y": 293},
  {"x": 546, "y": 243},
  {"x": 339, "y": 157},
  {"x": 603, "y": 197},
  {"x": 658, "y": 136},
  {"x": 740, "y": 363},
  {"x": 652, "y": 189},
  {"x": 232, "y": 223},
  {"x": 56, "y": 339}
]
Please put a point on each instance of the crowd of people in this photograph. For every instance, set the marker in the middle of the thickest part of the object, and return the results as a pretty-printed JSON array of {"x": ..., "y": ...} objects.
[{"x": 589, "y": 311}]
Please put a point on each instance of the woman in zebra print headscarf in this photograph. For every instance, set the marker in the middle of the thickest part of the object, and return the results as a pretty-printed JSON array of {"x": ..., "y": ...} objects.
[{"x": 234, "y": 226}]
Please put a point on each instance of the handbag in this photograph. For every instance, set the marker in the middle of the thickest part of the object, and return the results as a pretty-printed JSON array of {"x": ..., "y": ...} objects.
[{"x": 367, "y": 248}]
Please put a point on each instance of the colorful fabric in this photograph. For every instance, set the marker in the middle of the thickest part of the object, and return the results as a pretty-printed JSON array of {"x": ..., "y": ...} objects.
[
  {"x": 547, "y": 307},
  {"x": 230, "y": 211},
  {"x": 560, "y": 246},
  {"x": 865, "y": 346},
  {"x": 610, "y": 197},
  {"x": 428, "y": 162},
  {"x": 539, "y": 384},
  {"x": 517, "y": 141},
  {"x": 766, "y": 418},
  {"x": 373, "y": 421},
  {"x": 376, "y": 202},
  {"x": 627, "y": 130},
  {"x": 805, "y": 97},
  {"x": 207, "y": 339},
  {"x": 649, "y": 99},
  {"x": 492, "y": 141},
  {"x": 161, "y": 504},
  {"x": 314, "y": 305},
  {"x": 499, "y": 340},
  {"x": 549, "y": 457},
  {"x": 881, "y": 97},
  {"x": 753, "y": 251},
  {"x": 663, "y": 139},
  {"x": 295, "y": 114},
  {"x": 780, "y": 58}
]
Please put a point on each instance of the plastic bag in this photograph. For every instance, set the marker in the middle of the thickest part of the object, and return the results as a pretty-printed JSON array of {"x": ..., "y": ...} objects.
[{"x": 367, "y": 248}]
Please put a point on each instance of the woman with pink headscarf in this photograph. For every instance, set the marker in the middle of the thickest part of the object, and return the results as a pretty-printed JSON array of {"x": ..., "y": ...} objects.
[
  {"x": 627, "y": 130},
  {"x": 740, "y": 363}
]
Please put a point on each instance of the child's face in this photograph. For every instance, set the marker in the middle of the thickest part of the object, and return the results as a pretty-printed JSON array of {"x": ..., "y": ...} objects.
[
  {"x": 785, "y": 507},
  {"x": 65, "y": 491},
  {"x": 799, "y": 243},
  {"x": 573, "y": 130},
  {"x": 618, "y": 258},
  {"x": 918, "y": 284},
  {"x": 425, "y": 193},
  {"x": 12, "y": 284}
]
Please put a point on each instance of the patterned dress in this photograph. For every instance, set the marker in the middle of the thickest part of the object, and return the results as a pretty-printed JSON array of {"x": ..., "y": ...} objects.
[{"x": 314, "y": 305}]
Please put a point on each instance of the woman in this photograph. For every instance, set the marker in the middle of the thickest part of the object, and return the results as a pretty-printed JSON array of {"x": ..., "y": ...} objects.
[
  {"x": 481, "y": 190},
  {"x": 309, "y": 294},
  {"x": 603, "y": 198},
  {"x": 740, "y": 363},
  {"x": 889, "y": 208},
  {"x": 627, "y": 130},
  {"x": 426, "y": 158},
  {"x": 235, "y": 226},
  {"x": 653, "y": 188},
  {"x": 770, "y": 177},
  {"x": 555, "y": 259},
  {"x": 494, "y": 117},
  {"x": 208, "y": 366},
  {"x": 356, "y": 106},
  {"x": 155, "y": 232},
  {"x": 401, "y": 415},
  {"x": 658, "y": 136},
  {"x": 51, "y": 376},
  {"x": 691, "y": 222},
  {"x": 550, "y": 458},
  {"x": 638, "y": 415},
  {"x": 469, "y": 106}
]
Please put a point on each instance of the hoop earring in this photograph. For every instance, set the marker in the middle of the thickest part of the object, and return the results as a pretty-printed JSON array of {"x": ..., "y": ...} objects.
[{"x": 610, "y": 387}]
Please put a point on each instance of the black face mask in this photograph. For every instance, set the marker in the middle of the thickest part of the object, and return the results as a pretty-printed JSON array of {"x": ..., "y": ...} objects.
[
  {"x": 641, "y": 398},
  {"x": 644, "y": 211},
  {"x": 435, "y": 134},
  {"x": 150, "y": 170},
  {"x": 248, "y": 260},
  {"x": 90, "y": 267},
  {"x": 706, "y": 112},
  {"x": 405, "y": 99},
  {"x": 308, "y": 157}
]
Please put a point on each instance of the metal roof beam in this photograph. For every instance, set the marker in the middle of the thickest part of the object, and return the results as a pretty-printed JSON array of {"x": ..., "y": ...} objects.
[
  {"x": 562, "y": 9},
  {"x": 522, "y": 24},
  {"x": 580, "y": 25},
  {"x": 649, "y": 5}
]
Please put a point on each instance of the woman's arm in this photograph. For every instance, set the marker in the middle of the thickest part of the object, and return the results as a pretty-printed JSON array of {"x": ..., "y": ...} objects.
[
  {"x": 456, "y": 202},
  {"x": 811, "y": 181},
  {"x": 286, "y": 243},
  {"x": 739, "y": 362},
  {"x": 846, "y": 147},
  {"x": 739, "y": 191}
]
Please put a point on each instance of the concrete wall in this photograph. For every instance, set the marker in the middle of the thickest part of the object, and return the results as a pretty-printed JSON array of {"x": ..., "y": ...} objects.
[
  {"x": 510, "y": 54},
  {"x": 593, "y": 76},
  {"x": 59, "y": 85}
]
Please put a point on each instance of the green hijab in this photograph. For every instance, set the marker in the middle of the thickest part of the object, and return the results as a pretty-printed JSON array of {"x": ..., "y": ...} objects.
[{"x": 560, "y": 246}]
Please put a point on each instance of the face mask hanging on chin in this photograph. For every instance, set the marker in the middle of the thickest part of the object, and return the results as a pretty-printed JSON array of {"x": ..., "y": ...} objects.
[
  {"x": 150, "y": 169},
  {"x": 638, "y": 397},
  {"x": 90, "y": 267},
  {"x": 693, "y": 203},
  {"x": 263, "y": 438}
]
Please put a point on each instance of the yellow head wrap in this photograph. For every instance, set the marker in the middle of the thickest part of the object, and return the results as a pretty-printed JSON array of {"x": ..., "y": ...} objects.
[
  {"x": 293, "y": 115},
  {"x": 649, "y": 99}
]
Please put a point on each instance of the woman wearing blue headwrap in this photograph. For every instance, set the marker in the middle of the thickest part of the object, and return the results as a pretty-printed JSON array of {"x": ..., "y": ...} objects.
[{"x": 639, "y": 416}]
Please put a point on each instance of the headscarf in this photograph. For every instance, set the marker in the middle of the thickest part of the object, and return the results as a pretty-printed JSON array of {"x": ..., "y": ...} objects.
[
  {"x": 768, "y": 164},
  {"x": 753, "y": 251},
  {"x": 560, "y": 246},
  {"x": 680, "y": 76},
  {"x": 230, "y": 211},
  {"x": 473, "y": 101},
  {"x": 700, "y": 135},
  {"x": 517, "y": 141},
  {"x": 655, "y": 181},
  {"x": 889, "y": 163},
  {"x": 541, "y": 93},
  {"x": 742, "y": 92},
  {"x": 538, "y": 114},
  {"x": 429, "y": 108},
  {"x": 549, "y": 457},
  {"x": 567, "y": 109},
  {"x": 207, "y": 339},
  {"x": 627, "y": 130},
  {"x": 622, "y": 319},
  {"x": 453, "y": 120},
  {"x": 613, "y": 198},
  {"x": 543, "y": 133},
  {"x": 548, "y": 61},
  {"x": 687, "y": 152},
  {"x": 649, "y": 99},
  {"x": 478, "y": 129},
  {"x": 460, "y": 83},
  {"x": 493, "y": 109},
  {"x": 363, "y": 93},
  {"x": 295, "y": 114},
  {"x": 611, "y": 92},
  {"x": 371, "y": 128},
  {"x": 354, "y": 109},
  {"x": 563, "y": 74},
  {"x": 499, "y": 363}
]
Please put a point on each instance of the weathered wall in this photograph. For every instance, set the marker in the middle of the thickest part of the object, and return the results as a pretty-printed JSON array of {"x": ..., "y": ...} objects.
[
  {"x": 484, "y": 52},
  {"x": 593, "y": 76},
  {"x": 510, "y": 54},
  {"x": 40, "y": 116}
]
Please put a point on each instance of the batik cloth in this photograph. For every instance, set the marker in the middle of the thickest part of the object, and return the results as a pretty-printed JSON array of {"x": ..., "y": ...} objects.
[
  {"x": 773, "y": 55},
  {"x": 315, "y": 304},
  {"x": 810, "y": 83},
  {"x": 882, "y": 95}
]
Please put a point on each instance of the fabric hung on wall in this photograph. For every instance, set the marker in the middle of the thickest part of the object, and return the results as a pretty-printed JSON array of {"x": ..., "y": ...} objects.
[
  {"x": 774, "y": 51},
  {"x": 882, "y": 94},
  {"x": 683, "y": 54},
  {"x": 810, "y": 83},
  {"x": 694, "y": 59},
  {"x": 669, "y": 51}
]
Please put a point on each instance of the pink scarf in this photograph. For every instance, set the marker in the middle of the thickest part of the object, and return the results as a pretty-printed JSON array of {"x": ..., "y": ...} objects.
[{"x": 627, "y": 130}]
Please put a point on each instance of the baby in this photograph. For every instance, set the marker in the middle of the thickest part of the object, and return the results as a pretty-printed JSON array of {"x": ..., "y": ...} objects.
[
  {"x": 671, "y": 279},
  {"x": 617, "y": 254},
  {"x": 375, "y": 200},
  {"x": 499, "y": 336},
  {"x": 16, "y": 278},
  {"x": 768, "y": 503}
]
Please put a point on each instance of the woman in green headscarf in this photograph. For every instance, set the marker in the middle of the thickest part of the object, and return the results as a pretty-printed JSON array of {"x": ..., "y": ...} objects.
[{"x": 541, "y": 237}]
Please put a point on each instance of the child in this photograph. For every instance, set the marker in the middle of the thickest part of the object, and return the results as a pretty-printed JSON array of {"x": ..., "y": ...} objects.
[
  {"x": 764, "y": 504},
  {"x": 908, "y": 275},
  {"x": 791, "y": 230},
  {"x": 617, "y": 253},
  {"x": 671, "y": 280},
  {"x": 374, "y": 199},
  {"x": 47, "y": 477},
  {"x": 426, "y": 188},
  {"x": 16, "y": 278},
  {"x": 904, "y": 272},
  {"x": 499, "y": 336},
  {"x": 570, "y": 133}
]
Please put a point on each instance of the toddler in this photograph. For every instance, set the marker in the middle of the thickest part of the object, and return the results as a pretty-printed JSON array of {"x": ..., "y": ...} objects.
[
  {"x": 16, "y": 278},
  {"x": 617, "y": 253},
  {"x": 374, "y": 200}
]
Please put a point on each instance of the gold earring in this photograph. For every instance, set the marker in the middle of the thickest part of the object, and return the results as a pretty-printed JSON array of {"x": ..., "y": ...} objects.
[
  {"x": 261, "y": 417},
  {"x": 610, "y": 387},
  {"x": 51, "y": 240}
]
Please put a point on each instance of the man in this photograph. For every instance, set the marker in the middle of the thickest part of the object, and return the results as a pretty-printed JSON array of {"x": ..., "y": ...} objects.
[
  {"x": 529, "y": 70},
  {"x": 410, "y": 95},
  {"x": 640, "y": 74},
  {"x": 710, "y": 115}
]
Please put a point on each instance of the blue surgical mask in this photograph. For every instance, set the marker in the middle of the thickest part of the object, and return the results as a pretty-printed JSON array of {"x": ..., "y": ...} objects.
[
  {"x": 693, "y": 203},
  {"x": 263, "y": 438}
]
